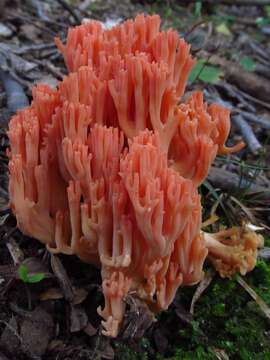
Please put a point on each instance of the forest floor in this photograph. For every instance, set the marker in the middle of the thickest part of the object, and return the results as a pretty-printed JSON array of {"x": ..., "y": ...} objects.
[{"x": 48, "y": 305}]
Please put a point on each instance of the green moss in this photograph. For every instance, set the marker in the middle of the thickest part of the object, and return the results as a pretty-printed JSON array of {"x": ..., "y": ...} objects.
[
  {"x": 198, "y": 354},
  {"x": 230, "y": 319},
  {"x": 124, "y": 352},
  {"x": 226, "y": 318},
  {"x": 267, "y": 241}
]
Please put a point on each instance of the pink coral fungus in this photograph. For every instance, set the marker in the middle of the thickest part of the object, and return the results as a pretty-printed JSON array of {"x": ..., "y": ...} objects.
[{"x": 107, "y": 165}]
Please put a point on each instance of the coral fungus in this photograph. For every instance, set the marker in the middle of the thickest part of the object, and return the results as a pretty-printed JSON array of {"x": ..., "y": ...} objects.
[{"x": 107, "y": 165}]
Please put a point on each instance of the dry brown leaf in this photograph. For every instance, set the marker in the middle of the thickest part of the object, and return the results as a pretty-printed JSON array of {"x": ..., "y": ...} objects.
[{"x": 51, "y": 294}]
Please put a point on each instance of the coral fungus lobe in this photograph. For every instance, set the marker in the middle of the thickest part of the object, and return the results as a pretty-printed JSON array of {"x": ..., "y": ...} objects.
[{"x": 107, "y": 165}]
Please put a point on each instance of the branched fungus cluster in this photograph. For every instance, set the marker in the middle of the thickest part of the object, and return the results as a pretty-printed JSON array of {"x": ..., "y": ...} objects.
[{"x": 107, "y": 166}]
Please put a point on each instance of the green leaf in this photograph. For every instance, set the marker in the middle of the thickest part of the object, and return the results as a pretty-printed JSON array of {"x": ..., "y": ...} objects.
[
  {"x": 23, "y": 273},
  {"x": 223, "y": 29},
  {"x": 206, "y": 73},
  {"x": 210, "y": 74},
  {"x": 196, "y": 70},
  {"x": 248, "y": 63},
  {"x": 36, "y": 278},
  {"x": 26, "y": 278}
]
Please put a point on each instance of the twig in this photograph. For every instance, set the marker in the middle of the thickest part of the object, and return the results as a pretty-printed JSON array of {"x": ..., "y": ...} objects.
[
  {"x": 72, "y": 12},
  {"x": 51, "y": 68},
  {"x": 264, "y": 123},
  {"x": 227, "y": 181},
  {"x": 264, "y": 307},
  {"x": 16, "y": 98},
  {"x": 31, "y": 48},
  {"x": 255, "y": 100},
  {"x": 24, "y": 83},
  {"x": 39, "y": 9},
  {"x": 15, "y": 251},
  {"x": 248, "y": 134},
  {"x": 234, "y": 93},
  {"x": 193, "y": 27},
  {"x": 30, "y": 21},
  {"x": 258, "y": 49},
  {"x": 8, "y": 271},
  {"x": 11, "y": 328}
]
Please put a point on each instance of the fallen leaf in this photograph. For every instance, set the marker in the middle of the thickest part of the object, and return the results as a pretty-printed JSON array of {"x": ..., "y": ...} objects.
[
  {"x": 138, "y": 318},
  {"x": 37, "y": 331},
  {"x": 206, "y": 73},
  {"x": 78, "y": 319},
  {"x": 223, "y": 29},
  {"x": 185, "y": 316},
  {"x": 51, "y": 294},
  {"x": 203, "y": 285},
  {"x": 80, "y": 295},
  {"x": 90, "y": 330},
  {"x": 62, "y": 277},
  {"x": 10, "y": 339}
]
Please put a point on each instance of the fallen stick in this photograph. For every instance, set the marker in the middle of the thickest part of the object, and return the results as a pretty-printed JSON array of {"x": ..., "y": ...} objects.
[
  {"x": 39, "y": 9},
  {"x": 234, "y": 93},
  {"x": 259, "y": 120},
  {"x": 72, "y": 12},
  {"x": 228, "y": 181},
  {"x": 16, "y": 98},
  {"x": 248, "y": 134},
  {"x": 30, "y": 48},
  {"x": 264, "y": 253}
]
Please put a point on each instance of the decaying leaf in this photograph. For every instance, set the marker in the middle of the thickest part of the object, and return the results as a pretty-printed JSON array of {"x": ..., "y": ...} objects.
[
  {"x": 10, "y": 340},
  {"x": 208, "y": 277},
  {"x": 37, "y": 331},
  {"x": 78, "y": 318},
  {"x": 62, "y": 278},
  {"x": 137, "y": 319}
]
